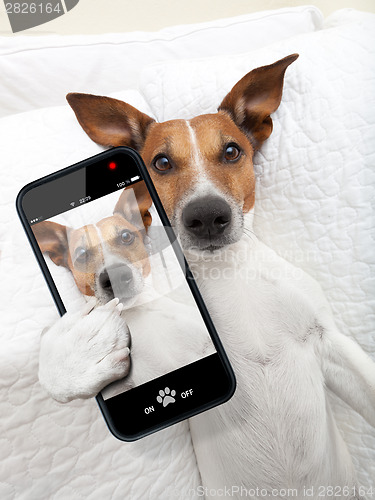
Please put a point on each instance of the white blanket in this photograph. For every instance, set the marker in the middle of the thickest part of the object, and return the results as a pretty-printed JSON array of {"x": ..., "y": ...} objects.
[{"x": 315, "y": 197}]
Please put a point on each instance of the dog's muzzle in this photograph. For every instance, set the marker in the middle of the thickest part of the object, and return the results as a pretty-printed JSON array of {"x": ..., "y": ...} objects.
[
  {"x": 119, "y": 275},
  {"x": 207, "y": 220},
  {"x": 117, "y": 281}
]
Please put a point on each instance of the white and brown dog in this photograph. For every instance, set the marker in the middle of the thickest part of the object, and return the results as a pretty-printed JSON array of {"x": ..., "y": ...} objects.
[{"x": 278, "y": 430}]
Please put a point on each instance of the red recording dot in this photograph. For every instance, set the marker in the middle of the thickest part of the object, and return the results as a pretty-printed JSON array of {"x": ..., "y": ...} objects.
[{"x": 112, "y": 165}]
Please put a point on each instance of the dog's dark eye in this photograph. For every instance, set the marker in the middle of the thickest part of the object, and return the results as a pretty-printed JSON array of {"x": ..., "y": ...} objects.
[
  {"x": 127, "y": 237},
  {"x": 232, "y": 152},
  {"x": 162, "y": 163},
  {"x": 80, "y": 255}
]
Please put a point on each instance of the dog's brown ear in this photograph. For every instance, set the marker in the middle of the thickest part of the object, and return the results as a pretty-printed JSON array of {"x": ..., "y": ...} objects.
[
  {"x": 52, "y": 239},
  {"x": 258, "y": 94},
  {"x": 110, "y": 122},
  {"x": 130, "y": 207}
]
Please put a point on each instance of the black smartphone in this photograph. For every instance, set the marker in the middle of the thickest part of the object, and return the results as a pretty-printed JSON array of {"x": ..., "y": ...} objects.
[{"x": 98, "y": 228}]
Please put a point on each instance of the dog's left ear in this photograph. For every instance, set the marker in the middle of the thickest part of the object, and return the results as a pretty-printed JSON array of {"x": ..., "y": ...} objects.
[
  {"x": 110, "y": 122},
  {"x": 258, "y": 94},
  {"x": 130, "y": 207},
  {"x": 52, "y": 239}
]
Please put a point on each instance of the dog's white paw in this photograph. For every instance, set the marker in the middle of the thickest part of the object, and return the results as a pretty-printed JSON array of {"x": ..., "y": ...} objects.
[{"x": 83, "y": 352}]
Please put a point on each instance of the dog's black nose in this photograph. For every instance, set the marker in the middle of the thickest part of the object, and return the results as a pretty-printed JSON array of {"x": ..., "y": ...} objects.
[
  {"x": 121, "y": 275},
  {"x": 125, "y": 275},
  {"x": 207, "y": 217},
  {"x": 104, "y": 280}
]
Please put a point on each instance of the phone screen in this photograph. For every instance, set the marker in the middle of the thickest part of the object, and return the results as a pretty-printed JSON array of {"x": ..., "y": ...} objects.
[{"x": 100, "y": 233}]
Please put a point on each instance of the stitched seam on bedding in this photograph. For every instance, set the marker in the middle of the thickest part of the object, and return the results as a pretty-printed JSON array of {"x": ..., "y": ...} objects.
[{"x": 149, "y": 41}]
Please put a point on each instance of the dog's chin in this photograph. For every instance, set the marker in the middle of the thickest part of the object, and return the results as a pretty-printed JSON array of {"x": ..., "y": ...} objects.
[
  {"x": 127, "y": 297},
  {"x": 209, "y": 245},
  {"x": 127, "y": 301}
]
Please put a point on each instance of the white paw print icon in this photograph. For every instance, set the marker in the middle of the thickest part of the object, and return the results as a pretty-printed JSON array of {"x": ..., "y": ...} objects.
[{"x": 166, "y": 396}]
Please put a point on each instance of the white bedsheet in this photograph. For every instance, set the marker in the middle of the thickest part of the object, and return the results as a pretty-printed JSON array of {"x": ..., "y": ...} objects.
[{"x": 315, "y": 197}]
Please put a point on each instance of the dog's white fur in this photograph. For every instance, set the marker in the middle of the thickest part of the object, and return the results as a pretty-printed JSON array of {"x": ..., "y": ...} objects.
[
  {"x": 278, "y": 430},
  {"x": 73, "y": 362},
  {"x": 285, "y": 349},
  {"x": 277, "y": 328}
]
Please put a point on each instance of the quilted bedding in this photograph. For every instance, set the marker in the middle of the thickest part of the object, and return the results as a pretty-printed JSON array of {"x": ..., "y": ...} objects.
[{"x": 315, "y": 206}]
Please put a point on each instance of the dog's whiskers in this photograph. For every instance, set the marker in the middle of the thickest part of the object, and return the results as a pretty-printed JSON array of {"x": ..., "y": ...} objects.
[{"x": 249, "y": 233}]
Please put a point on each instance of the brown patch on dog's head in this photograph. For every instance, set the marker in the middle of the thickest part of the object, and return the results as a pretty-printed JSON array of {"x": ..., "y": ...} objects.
[
  {"x": 191, "y": 161},
  {"x": 124, "y": 240},
  {"x": 213, "y": 150},
  {"x": 53, "y": 241},
  {"x": 135, "y": 208},
  {"x": 84, "y": 251}
]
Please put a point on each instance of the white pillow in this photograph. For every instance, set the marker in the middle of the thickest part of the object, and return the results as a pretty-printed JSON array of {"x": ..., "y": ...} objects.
[
  {"x": 315, "y": 178},
  {"x": 39, "y": 71}
]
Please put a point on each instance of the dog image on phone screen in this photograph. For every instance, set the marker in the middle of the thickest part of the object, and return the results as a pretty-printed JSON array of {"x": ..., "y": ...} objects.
[
  {"x": 278, "y": 430},
  {"x": 105, "y": 255},
  {"x": 109, "y": 260}
]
